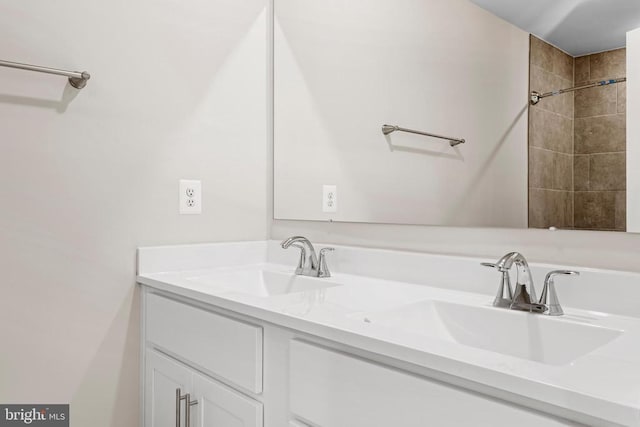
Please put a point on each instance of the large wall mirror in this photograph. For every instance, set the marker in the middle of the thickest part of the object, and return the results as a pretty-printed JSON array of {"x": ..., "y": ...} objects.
[{"x": 484, "y": 113}]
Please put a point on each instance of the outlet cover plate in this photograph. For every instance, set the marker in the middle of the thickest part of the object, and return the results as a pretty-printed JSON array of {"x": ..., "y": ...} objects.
[
  {"x": 190, "y": 197},
  {"x": 329, "y": 198}
]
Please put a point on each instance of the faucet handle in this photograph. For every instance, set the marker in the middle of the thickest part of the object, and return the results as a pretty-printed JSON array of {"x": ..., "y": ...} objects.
[
  {"x": 494, "y": 265},
  {"x": 323, "y": 268},
  {"x": 504, "y": 297},
  {"x": 303, "y": 257},
  {"x": 549, "y": 295}
]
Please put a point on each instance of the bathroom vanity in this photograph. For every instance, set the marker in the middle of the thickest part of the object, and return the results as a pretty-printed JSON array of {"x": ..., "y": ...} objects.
[{"x": 231, "y": 336}]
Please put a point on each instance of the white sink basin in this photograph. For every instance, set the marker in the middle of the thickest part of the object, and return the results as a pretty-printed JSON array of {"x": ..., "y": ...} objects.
[
  {"x": 544, "y": 339},
  {"x": 263, "y": 283}
]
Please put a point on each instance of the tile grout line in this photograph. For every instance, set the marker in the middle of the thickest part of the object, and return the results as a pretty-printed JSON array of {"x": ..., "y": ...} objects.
[
  {"x": 553, "y": 112},
  {"x": 602, "y": 152},
  {"x": 550, "y": 72},
  {"x": 550, "y": 150},
  {"x": 600, "y": 115}
]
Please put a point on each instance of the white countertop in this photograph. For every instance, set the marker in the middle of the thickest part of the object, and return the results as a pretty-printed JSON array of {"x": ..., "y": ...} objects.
[{"x": 603, "y": 384}]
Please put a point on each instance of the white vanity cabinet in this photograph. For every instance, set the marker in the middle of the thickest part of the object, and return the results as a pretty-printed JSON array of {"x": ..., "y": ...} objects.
[
  {"x": 215, "y": 359},
  {"x": 222, "y": 359},
  {"x": 263, "y": 346}
]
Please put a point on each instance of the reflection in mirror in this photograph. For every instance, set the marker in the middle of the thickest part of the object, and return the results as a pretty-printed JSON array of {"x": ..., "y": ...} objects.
[
  {"x": 436, "y": 73},
  {"x": 577, "y": 139}
]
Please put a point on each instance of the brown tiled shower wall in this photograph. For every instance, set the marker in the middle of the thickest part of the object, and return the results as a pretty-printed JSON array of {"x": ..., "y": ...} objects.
[{"x": 577, "y": 141}]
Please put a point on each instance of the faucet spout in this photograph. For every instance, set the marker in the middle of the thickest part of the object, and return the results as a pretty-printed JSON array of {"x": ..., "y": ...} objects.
[
  {"x": 307, "y": 248},
  {"x": 524, "y": 297}
]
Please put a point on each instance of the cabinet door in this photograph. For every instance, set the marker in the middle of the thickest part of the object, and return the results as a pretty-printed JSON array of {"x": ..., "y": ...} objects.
[
  {"x": 162, "y": 377},
  {"x": 218, "y": 405}
]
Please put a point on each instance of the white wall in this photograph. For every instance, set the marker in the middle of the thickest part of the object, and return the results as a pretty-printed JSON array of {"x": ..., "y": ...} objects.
[
  {"x": 633, "y": 131},
  {"x": 343, "y": 69},
  {"x": 178, "y": 90}
]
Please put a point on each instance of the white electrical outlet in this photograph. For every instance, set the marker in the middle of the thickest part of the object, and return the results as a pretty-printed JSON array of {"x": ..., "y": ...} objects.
[
  {"x": 329, "y": 198},
  {"x": 190, "y": 197}
]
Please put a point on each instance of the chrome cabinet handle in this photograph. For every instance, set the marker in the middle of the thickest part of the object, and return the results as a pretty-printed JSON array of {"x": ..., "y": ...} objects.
[
  {"x": 189, "y": 403},
  {"x": 178, "y": 404}
]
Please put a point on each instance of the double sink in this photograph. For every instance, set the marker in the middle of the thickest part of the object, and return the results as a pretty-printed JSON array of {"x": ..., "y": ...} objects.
[{"x": 537, "y": 338}]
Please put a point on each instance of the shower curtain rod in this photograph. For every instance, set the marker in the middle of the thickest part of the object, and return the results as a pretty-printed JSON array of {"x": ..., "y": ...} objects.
[{"x": 536, "y": 96}]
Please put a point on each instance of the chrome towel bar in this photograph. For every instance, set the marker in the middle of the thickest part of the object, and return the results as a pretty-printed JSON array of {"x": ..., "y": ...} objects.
[
  {"x": 388, "y": 129},
  {"x": 77, "y": 79}
]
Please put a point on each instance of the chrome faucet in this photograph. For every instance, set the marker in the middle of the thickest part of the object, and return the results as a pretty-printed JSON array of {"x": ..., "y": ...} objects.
[
  {"x": 309, "y": 263},
  {"x": 524, "y": 296}
]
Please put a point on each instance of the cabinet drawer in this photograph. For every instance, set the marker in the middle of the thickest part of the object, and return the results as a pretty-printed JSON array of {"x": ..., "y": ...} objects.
[
  {"x": 228, "y": 348},
  {"x": 332, "y": 389}
]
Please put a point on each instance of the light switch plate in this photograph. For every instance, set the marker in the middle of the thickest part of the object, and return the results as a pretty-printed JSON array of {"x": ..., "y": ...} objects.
[{"x": 190, "y": 197}]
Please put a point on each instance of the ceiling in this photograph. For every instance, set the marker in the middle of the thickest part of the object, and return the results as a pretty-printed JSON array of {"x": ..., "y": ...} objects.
[{"x": 578, "y": 27}]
